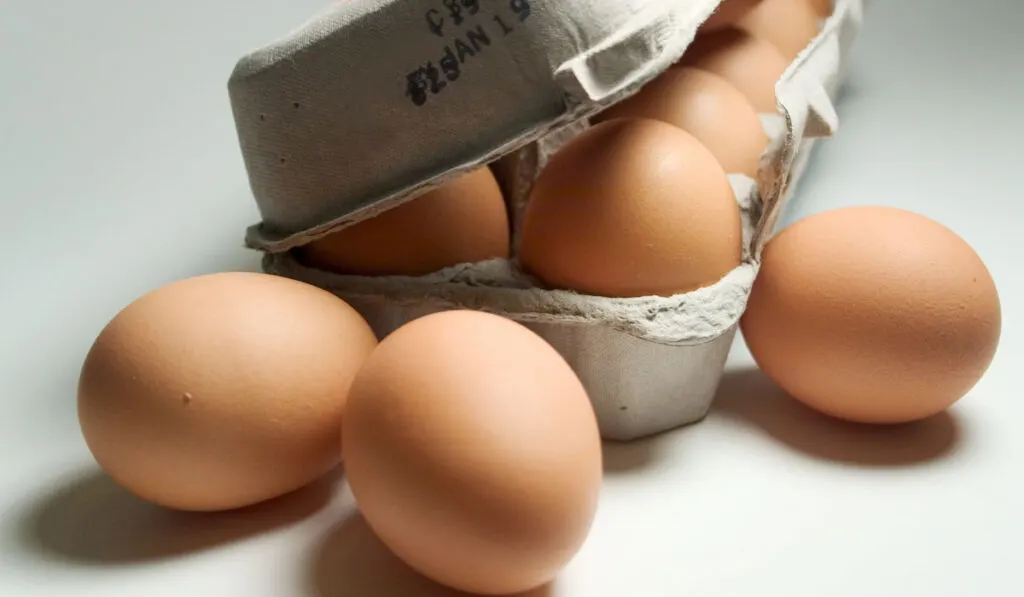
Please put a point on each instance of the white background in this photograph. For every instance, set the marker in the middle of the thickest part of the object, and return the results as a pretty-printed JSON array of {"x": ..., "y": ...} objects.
[{"x": 119, "y": 171}]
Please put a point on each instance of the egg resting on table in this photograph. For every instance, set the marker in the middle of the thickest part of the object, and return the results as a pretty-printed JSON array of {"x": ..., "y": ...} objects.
[
  {"x": 473, "y": 452},
  {"x": 221, "y": 391},
  {"x": 872, "y": 314}
]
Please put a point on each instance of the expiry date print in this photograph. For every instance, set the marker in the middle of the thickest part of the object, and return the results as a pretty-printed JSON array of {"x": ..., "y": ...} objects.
[{"x": 469, "y": 28}]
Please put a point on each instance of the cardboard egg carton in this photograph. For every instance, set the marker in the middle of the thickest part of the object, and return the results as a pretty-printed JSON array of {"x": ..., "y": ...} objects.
[{"x": 375, "y": 102}]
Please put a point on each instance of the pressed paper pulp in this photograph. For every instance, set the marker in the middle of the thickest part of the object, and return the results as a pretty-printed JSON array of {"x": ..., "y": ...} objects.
[{"x": 353, "y": 133}]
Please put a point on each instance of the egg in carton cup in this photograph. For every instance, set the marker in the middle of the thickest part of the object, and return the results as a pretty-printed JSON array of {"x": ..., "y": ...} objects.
[{"x": 376, "y": 102}]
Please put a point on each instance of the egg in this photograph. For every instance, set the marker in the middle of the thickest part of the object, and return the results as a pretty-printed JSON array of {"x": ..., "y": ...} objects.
[
  {"x": 462, "y": 221},
  {"x": 750, "y": 63},
  {"x": 823, "y": 8},
  {"x": 727, "y": 13},
  {"x": 873, "y": 315},
  {"x": 473, "y": 452},
  {"x": 221, "y": 391},
  {"x": 631, "y": 207},
  {"x": 706, "y": 106},
  {"x": 789, "y": 25}
]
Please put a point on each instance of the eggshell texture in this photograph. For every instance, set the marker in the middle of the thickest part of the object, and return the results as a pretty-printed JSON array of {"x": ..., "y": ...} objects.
[
  {"x": 632, "y": 207},
  {"x": 706, "y": 106},
  {"x": 727, "y": 13},
  {"x": 221, "y": 391},
  {"x": 789, "y": 25},
  {"x": 473, "y": 452},
  {"x": 823, "y": 8},
  {"x": 873, "y": 314},
  {"x": 750, "y": 63},
  {"x": 463, "y": 221}
]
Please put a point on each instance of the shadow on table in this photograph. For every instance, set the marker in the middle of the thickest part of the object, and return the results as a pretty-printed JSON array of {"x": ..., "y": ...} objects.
[
  {"x": 750, "y": 397},
  {"x": 629, "y": 457},
  {"x": 351, "y": 561},
  {"x": 91, "y": 520}
]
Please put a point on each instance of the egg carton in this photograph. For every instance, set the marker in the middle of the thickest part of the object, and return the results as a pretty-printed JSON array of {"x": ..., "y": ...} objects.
[{"x": 376, "y": 102}]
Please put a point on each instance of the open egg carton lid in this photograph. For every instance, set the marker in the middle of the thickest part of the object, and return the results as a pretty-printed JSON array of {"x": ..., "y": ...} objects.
[{"x": 375, "y": 102}]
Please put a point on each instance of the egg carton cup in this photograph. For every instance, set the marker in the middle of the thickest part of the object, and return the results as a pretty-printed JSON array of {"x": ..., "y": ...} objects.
[{"x": 376, "y": 102}]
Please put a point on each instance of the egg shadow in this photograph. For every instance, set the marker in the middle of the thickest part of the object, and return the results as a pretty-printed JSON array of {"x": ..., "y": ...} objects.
[
  {"x": 748, "y": 396},
  {"x": 351, "y": 561},
  {"x": 93, "y": 521}
]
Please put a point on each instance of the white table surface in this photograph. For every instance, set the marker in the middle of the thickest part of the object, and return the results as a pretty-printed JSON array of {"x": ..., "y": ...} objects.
[{"x": 119, "y": 171}]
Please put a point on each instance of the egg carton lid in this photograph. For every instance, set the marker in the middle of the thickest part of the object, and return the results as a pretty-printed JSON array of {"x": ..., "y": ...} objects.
[{"x": 375, "y": 102}]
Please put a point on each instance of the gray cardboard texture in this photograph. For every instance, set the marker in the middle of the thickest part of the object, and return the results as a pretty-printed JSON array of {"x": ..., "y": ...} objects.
[
  {"x": 649, "y": 363},
  {"x": 377, "y": 101}
]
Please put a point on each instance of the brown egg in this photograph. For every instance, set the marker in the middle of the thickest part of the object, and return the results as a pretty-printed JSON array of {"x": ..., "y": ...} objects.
[
  {"x": 752, "y": 64},
  {"x": 728, "y": 13},
  {"x": 706, "y": 106},
  {"x": 873, "y": 314},
  {"x": 632, "y": 207},
  {"x": 823, "y": 8},
  {"x": 221, "y": 391},
  {"x": 789, "y": 25},
  {"x": 473, "y": 452},
  {"x": 463, "y": 221}
]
